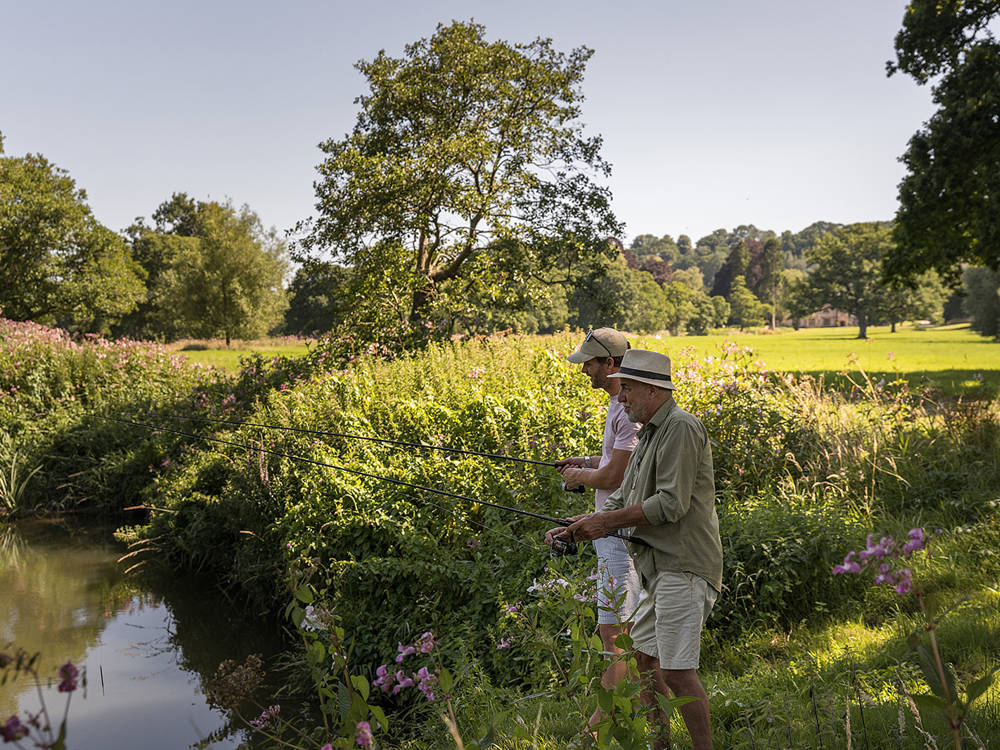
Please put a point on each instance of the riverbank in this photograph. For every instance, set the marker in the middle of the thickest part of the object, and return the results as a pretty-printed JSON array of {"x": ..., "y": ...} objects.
[{"x": 804, "y": 473}]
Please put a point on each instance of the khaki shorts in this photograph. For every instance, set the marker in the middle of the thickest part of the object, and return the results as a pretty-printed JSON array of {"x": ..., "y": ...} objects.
[{"x": 673, "y": 609}]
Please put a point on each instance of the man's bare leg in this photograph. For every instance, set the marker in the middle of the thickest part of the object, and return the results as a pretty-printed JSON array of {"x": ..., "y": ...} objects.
[{"x": 685, "y": 683}]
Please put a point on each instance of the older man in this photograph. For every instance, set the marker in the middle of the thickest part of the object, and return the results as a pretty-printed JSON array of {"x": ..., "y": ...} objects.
[
  {"x": 667, "y": 498},
  {"x": 599, "y": 357}
]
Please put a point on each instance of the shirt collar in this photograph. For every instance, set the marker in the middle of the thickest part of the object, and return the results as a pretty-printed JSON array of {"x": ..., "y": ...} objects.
[{"x": 658, "y": 418}]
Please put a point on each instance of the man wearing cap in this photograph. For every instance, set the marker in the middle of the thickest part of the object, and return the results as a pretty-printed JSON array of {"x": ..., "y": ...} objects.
[
  {"x": 599, "y": 356},
  {"x": 667, "y": 498}
]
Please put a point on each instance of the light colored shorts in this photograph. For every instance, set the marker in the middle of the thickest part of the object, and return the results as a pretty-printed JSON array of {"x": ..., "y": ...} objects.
[
  {"x": 616, "y": 575},
  {"x": 673, "y": 609}
]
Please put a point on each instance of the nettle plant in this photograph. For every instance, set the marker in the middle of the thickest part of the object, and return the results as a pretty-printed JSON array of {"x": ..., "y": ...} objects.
[{"x": 889, "y": 560}]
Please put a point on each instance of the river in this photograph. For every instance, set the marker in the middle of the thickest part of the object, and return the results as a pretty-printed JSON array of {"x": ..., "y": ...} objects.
[{"x": 146, "y": 643}]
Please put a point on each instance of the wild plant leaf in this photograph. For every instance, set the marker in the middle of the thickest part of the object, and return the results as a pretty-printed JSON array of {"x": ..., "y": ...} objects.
[
  {"x": 361, "y": 685},
  {"x": 980, "y": 686}
]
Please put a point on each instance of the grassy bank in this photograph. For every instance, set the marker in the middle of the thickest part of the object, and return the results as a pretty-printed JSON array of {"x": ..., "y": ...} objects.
[{"x": 804, "y": 471}]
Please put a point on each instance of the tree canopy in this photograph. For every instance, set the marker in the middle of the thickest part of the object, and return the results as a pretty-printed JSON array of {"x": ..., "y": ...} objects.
[
  {"x": 212, "y": 270},
  {"x": 58, "y": 264},
  {"x": 467, "y": 158},
  {"x": 949, "y": 200}
]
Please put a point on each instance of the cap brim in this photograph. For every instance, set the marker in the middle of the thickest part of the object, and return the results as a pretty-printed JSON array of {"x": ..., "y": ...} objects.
[{"x": 578, "y": 357}]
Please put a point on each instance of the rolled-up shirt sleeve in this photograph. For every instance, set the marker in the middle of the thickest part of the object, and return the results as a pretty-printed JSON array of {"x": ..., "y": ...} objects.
[{"x": 678, "y": 458}]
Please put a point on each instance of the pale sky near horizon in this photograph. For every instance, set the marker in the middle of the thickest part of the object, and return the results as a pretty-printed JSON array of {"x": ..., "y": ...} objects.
[{"x": 714, "y": 114}]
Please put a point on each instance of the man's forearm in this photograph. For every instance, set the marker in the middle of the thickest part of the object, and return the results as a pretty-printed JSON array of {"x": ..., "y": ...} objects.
[{"x": 625, "y": 518}]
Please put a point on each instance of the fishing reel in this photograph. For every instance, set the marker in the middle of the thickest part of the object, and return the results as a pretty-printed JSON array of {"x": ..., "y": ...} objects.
[
  {"x": 578, "y": 488},
  {"x": 562, "y": 547}
]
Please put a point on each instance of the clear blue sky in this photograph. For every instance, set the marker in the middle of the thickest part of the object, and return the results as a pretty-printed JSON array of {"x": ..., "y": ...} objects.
[{"x": 714, "y": 114}]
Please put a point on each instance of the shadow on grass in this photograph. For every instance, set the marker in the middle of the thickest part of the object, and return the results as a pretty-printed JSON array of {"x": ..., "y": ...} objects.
[{"x": 980, "y": 384}]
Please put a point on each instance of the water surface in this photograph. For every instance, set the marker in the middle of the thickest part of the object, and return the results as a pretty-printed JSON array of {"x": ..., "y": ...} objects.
[{"x": 147, "y": 644}]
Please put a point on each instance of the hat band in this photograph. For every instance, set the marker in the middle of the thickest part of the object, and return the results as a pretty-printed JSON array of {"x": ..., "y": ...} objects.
[{"x": 642, "y": 373}]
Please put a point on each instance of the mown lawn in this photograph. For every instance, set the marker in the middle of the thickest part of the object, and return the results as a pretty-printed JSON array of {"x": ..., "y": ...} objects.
[{"x": 952, "y": 358}]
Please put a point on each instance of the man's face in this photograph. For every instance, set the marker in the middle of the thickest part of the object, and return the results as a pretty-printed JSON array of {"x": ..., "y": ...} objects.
[
  {"x": 597, "y": 370},
  {"x": 636, "y": 397}
]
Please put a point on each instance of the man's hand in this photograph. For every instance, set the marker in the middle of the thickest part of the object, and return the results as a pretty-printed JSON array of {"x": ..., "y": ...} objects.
[
  {"x": 571, "y": 461},
  {"x": 572, "y": 476},
  {"x": 590, "y": 526},
  {"x": 560, "y": 531}
]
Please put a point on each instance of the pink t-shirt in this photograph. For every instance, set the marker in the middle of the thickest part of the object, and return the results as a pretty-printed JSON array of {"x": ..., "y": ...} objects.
[{"x": 619, "y": 433}]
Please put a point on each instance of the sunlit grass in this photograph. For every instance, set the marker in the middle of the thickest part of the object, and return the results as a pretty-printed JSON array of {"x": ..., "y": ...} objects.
[{"x": 954, "y": 359}]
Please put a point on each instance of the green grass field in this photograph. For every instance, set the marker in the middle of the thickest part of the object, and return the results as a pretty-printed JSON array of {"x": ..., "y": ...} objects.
[{"x": 952, "y": 357}]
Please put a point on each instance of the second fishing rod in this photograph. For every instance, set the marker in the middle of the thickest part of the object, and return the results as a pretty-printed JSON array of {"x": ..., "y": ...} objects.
[
  {"x": 564, "y": 546},
  {"x": 370, "y": 438}
]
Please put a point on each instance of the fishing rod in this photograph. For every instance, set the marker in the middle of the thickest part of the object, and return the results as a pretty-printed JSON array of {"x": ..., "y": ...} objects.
[
  {"x": 349, "y": 436},
  {"x": 399, "y": 482}
]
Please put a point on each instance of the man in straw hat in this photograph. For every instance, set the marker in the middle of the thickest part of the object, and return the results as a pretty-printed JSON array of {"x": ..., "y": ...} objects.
[
  {"x": 667, "y": 498},
  {"x": 599, "y": 357}
]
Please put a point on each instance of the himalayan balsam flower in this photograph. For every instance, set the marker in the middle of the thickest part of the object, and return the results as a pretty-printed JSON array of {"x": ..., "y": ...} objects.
[
  {"x": 384, "y": 678},
  {"x": 402, "y": 681},
  {"x": 68, "y": 673},
  {"x": 404, "y": 651},
  {"x": 884, "y": 550},
  {"x": 363, "y": 734},
  {"x": 504, "y": 643},
  {"x": 264, "y": 720},
  {"x": 426, "y": 681},
  {"x": 13, "y": 730},
  {"x": 426, "y": 643}
]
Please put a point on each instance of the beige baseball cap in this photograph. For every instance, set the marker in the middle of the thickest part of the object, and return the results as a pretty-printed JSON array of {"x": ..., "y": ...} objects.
[{"x": 600, "y": 343}]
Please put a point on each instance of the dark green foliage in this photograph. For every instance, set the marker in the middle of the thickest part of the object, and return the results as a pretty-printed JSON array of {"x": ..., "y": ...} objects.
[
  {"x": 468, "y": 167},
  {"x": 57, "y": 263},
  {"x": 949, "y": 208},
  {"x": 982, "y": 299}
]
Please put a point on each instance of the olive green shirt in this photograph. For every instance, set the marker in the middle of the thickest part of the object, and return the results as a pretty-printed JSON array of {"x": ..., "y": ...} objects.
[{"x": 670, "y": 472}]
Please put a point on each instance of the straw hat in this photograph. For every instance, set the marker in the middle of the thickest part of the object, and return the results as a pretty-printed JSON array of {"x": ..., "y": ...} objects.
[{"x": 652, "y": 368}]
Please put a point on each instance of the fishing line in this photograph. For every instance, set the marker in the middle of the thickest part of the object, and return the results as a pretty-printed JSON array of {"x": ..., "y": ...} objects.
[
  {"x": 349, "y": 436},
  {"x": 399, "y": 482}
]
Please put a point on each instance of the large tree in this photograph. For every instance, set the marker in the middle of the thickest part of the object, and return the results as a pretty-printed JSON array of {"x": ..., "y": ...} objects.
[
  {"x": 949, "y": 201},
  {"x": 58, "y": 264},
  {"x": 469, "y": 155},
  {"x": 213, "y": 270},
  {"x": 848, "y": 270}
]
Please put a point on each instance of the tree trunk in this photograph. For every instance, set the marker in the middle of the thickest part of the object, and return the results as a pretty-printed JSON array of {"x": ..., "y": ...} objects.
[
  {"x": 862, "y": 326},
  {"x": 893, "y": 329},
  {"x": 227, "y": 338}
]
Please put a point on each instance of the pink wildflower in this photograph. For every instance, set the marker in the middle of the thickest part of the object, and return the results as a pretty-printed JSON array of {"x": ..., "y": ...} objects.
[
  {"x": 384, "y": 679},
  {"x": 916, "y": 542},
  {"x": 13, "y": 730},
  {"x": 363, "y": 734},
  {"x": 904, "y": 581},
  {"x": 402, "y": 681},
  {"x": 426, "y": 681},
  {"x": 404, "y": 651},
  {"x": 849, "y": 566},
  {"x": 426, "y": 643},
  {"x": 504, "y": 643},
  {"x": 68, "y": 673}
]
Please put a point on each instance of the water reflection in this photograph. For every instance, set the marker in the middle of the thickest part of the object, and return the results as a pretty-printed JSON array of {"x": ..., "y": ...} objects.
[{"x": 145, "y": 646}]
